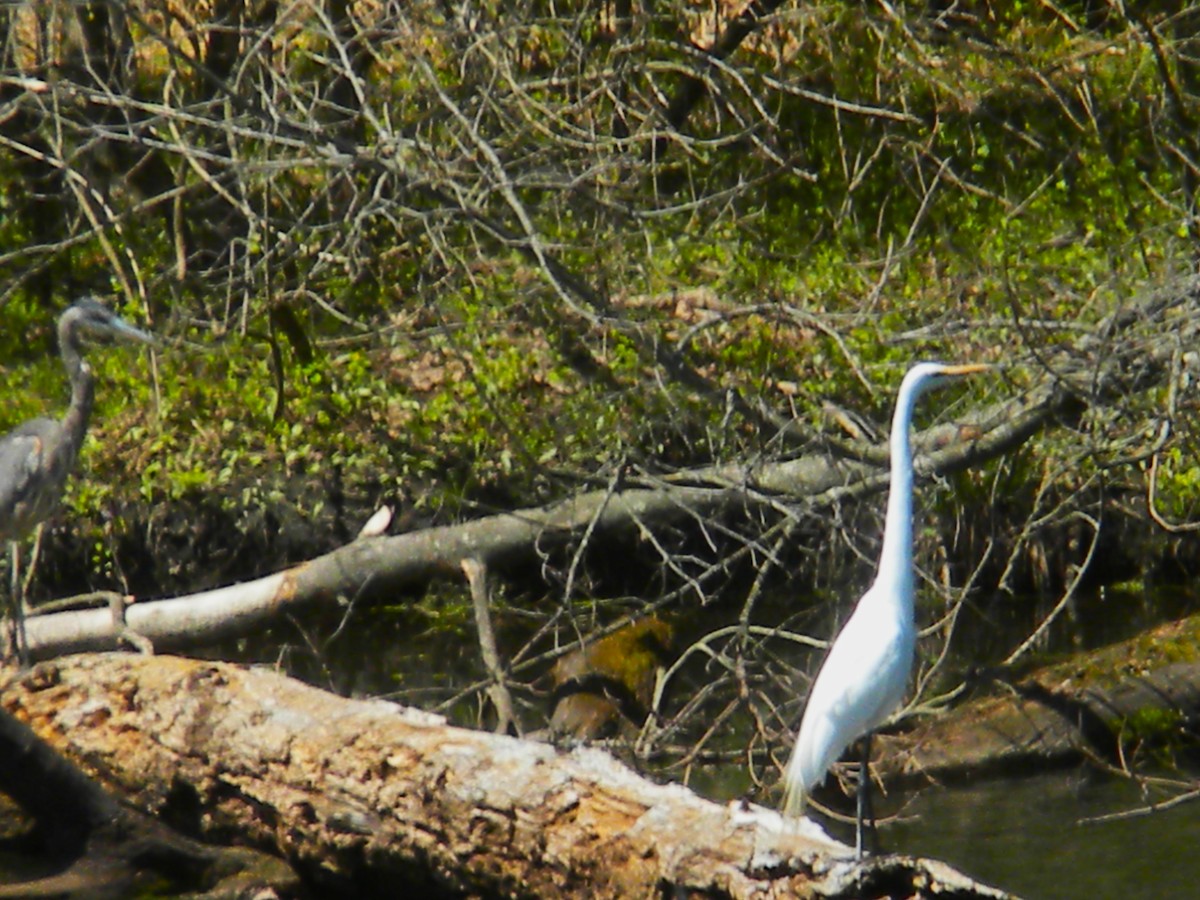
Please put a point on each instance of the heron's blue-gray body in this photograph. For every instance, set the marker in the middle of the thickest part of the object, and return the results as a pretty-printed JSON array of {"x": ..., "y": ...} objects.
[{"x": 37, "y": 457}]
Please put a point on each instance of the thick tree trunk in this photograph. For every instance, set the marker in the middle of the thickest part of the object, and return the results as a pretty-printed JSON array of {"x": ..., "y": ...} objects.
[{"x": 369, "y": 797}]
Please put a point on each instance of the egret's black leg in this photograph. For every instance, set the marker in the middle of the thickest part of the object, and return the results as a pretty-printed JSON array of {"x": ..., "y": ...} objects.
[{"x": 863, "y": 812}]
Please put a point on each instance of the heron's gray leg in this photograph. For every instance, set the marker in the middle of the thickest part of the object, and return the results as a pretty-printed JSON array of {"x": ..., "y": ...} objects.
[
  {"x": 34, "y": 558},
  {"x": 17, "y": 604}
]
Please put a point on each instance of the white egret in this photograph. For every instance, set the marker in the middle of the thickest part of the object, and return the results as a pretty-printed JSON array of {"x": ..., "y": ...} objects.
[{"x": 866, "y": 673}]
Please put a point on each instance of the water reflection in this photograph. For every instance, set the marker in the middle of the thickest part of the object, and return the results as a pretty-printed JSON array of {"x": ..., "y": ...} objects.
[{"x": 1023, "y": 835}]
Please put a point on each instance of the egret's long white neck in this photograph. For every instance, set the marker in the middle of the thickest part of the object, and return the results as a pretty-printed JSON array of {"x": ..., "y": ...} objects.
[{"x": 896, "y": 557}]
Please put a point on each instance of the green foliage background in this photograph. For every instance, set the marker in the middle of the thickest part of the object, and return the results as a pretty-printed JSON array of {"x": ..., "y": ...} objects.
[{"x": 474, "y": 263}]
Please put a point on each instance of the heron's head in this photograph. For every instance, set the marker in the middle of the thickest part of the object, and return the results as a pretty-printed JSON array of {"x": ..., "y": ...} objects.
[{"x": 88, "y": 316}]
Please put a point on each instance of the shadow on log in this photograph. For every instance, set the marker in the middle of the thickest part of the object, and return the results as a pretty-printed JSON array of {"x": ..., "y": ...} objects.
[
  {"x": 94, "y": 847},
  {"x": 366, "y": 797}
]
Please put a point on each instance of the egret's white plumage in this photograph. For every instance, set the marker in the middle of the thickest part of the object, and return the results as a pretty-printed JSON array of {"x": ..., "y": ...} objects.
[{"x": 864, "y": 678}]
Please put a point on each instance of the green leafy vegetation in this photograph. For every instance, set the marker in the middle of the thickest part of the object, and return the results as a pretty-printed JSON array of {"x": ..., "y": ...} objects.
[{"x": 466, "y": 266}]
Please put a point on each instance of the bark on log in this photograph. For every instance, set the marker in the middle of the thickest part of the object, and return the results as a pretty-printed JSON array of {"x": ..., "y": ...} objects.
[
  {"x": 94, "y": 847},
  {"x": 369, "y": 797}
]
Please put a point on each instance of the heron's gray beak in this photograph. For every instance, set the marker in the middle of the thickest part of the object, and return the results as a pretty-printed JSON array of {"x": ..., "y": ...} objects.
[{"x": 125, "y": 331}]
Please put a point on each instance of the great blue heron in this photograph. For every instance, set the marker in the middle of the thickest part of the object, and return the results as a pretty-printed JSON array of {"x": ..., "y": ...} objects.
[
  {"x": 866, "y": 672},
  {"x": 37, "y": 456}
]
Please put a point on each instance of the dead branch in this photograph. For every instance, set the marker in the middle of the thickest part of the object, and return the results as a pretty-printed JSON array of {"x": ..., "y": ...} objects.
[
  {"x": 477, "y": 577},
  {"x": 1130, "y": 352}
]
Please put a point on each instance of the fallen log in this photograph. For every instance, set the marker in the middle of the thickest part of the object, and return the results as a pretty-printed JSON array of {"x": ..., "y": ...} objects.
[
  {"x": 1132, "y": 351},
  {"x": 810, "y": 483},
  {"x": 1103, "y": 704},
  {"x": 365, "y": 797}
]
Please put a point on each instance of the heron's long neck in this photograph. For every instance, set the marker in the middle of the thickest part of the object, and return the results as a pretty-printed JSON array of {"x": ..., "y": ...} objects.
[
  {"x": 83, "y": 392},
  {"x": 896, "y": 557}
]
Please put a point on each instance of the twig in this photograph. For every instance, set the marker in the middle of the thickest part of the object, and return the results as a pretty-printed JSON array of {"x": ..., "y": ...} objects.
[
  {"x": 476, "y": 573},
  {"x": 1067, "y": 596},
  {"x": 1142, "y": 810}
]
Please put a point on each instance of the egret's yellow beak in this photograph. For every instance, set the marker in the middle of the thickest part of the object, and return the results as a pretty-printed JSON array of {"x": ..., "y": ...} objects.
[{"x": 969, "y": 369}]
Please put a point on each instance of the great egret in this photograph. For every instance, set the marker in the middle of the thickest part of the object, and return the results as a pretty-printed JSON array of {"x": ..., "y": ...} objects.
[
  {"x": 37, "y": 456},
  {"x": 866, "y": 673}
]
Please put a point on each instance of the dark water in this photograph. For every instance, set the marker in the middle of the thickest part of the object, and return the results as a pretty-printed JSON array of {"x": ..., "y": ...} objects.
[{"x": 1024, "y": 836}]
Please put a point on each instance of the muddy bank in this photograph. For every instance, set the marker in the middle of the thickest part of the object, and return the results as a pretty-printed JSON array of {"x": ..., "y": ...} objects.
[{"x": 1123, "y": 705}]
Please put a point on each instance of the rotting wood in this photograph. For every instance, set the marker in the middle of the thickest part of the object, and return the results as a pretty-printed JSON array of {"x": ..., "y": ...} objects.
[
  {"x": 367, "y": 795},
  {"x": 94, "y": 846}
]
